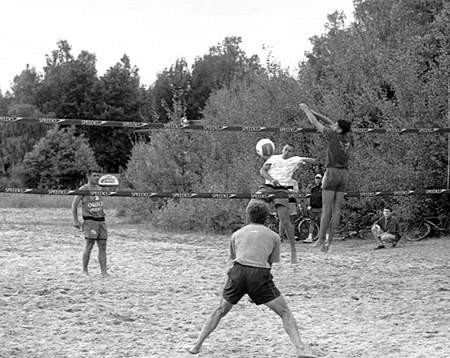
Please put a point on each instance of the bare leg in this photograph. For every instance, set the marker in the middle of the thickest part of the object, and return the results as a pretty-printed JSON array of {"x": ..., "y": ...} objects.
[
  {"x": 325, "y": 220},
  {"x": 102, "y": 256},
  {"x": 376, "y": 232},
  {"x": 87, "y": 254},
  {"x": 281, "y": 230},
  {"x": 280, "y": 307},
  {"x": 211, "y": 324},
  {"x": 288, "y": 227},
  {"x": 335, "y": 216}
]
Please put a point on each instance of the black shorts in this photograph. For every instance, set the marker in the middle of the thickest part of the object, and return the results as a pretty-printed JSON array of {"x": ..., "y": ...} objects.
[
  {"x": 336, "y": 179},
  {"x": 257, "y": 282},
  {"x": 273, "y": 202}
]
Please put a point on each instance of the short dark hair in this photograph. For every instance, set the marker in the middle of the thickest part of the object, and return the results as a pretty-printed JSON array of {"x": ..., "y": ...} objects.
[
  {"x": 345, "y": 125},
  {"x": 387, "y": 207},
  {"x": 257, "y": 212},
  {"x": 91, "y": 171}
]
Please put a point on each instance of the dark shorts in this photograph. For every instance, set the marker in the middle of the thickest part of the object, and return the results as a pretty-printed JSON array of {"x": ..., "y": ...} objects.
[
  {"x": 335, "y": 179},
  {"x": 95, "y": 230},
  {"x": 315, "y": 214},
  {"x": 257, "y": 282},
  {"x": 273, "y": 202}
]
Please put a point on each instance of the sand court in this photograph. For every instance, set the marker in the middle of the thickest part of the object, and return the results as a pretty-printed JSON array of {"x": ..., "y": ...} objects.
[{"x": 353, "y": 302}]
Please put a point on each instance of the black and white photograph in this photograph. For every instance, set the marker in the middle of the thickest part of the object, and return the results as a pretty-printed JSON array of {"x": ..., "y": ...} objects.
[{"x": 225, "y": 179}]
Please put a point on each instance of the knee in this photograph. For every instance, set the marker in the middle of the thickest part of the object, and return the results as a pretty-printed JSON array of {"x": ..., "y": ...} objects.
[{"x": 221, "y": 311}]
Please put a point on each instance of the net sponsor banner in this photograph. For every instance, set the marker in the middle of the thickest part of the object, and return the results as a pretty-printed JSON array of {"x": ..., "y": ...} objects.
[
  {"x": 146, "y": 126},
  {"x": 151, "y": 194}
]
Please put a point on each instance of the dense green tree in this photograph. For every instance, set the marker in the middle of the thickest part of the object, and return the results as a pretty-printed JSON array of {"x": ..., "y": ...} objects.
[
  {"x": 171, "y": 85},
  {"x": 68, "y": 83},
  {"x": 118, "y": 96},
  {"x": 17, "y": 139},
  {"x": 224, "y": 63},
  {"x": 26, "y": 87},
  {"x": 61, "y": 159}
]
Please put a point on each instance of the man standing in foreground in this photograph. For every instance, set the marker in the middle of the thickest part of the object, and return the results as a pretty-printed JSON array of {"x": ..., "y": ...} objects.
[
  {"x": 253, "y": 249},
  {"x": 336, "y": 176},
  {"x": 94, "y": 226}
]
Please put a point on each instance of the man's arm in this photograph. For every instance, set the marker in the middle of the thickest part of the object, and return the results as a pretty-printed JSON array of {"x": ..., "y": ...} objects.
[
  {"x": 265, "y": 174},
  {"x": 232, "y": 250},
  {"x": 305, "y": 160},
  {"x": 75, "y": 203},
  {"x": 275, "y": 255},
  {"x": 325, "y": 118},
  {"x": 312, "y": 118},
  {"x": 395, "y": 227}
]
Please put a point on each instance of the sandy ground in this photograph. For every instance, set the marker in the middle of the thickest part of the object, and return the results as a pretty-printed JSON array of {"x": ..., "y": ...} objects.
[{"x": 353, "y": 302}]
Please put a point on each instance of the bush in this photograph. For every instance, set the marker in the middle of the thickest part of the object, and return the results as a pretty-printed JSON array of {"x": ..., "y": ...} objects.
[{"x": 58, "y": 160}]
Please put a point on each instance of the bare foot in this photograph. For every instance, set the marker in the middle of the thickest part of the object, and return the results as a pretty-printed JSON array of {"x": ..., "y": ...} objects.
[
  {"x": 105, "y": 274},
  {"x": 306, "y": 353},
  {"x": 325, "y": 247},
  {"x": 85, "y": 273},
  {"x": 318, "y": 243},
  {"x": 193, "y": 350}
]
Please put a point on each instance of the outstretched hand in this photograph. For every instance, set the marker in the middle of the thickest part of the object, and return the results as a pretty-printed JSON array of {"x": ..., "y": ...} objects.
[{"x": 304, "y": 106}]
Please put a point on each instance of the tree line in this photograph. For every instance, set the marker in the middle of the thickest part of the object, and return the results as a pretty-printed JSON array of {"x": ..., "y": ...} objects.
[{"x": 388, "y": 68}]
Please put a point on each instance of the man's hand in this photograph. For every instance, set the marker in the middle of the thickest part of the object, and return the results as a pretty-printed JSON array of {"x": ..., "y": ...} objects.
[
  {"x": 275, "y": 182},
  {"x": 304, "y": 107}
]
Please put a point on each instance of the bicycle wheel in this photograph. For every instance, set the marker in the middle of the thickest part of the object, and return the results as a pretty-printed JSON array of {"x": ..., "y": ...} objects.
[
  {"x": 302, "y": 228},
  {"x": 272, "y": 224},
  {"x": 418, "y": 231},
  {"x": 365, "y": 234}
]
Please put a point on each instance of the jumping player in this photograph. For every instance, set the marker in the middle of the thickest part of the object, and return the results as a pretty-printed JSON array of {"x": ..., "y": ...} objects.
[
  {"x": 93, "y": 226},
  {"x": 336, "y": 176},
  {"x": 277, "y": 172},
  {"x": 253, "y": 250}
]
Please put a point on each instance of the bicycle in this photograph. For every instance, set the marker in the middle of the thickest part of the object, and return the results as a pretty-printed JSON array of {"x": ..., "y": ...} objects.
[
  {"x": 301, "y": 224},
  {"x": 419, "y": 230}
]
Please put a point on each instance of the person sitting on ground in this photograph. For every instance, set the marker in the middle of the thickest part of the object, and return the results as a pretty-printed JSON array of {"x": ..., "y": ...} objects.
[
  {"x": 386, "y": 229},
  {"x": 253, "y": 250}
]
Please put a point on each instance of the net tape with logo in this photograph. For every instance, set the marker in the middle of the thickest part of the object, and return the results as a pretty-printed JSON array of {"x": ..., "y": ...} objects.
[
  {"x": 145, "y": 126},
  {"x": 216, "y": 195}
]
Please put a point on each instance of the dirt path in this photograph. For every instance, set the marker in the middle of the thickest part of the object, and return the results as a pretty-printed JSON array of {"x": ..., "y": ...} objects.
[{"x": 353, "y": 302}]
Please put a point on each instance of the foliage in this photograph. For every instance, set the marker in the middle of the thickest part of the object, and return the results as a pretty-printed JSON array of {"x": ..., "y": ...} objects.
[
  {"x": 17, "y": 139},
  {"x": 59, "y": 160}
]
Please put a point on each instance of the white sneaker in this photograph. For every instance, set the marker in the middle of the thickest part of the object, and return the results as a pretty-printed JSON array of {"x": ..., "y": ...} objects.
[{"x": 309, "y": 239}]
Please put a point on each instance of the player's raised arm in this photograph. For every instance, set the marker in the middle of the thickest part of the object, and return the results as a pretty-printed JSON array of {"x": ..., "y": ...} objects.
[{"x": 312, "y": 118}]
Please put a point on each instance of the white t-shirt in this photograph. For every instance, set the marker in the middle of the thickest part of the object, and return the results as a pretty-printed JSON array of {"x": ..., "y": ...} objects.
[{"x": 282, "y": 169}]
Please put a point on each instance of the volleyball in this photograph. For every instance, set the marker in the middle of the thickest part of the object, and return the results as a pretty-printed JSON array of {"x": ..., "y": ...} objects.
[{"x": 265, "y": 147}]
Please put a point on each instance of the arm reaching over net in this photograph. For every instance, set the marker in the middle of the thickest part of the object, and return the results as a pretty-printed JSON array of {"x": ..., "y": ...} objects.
[{"x": 312, "y": 118}]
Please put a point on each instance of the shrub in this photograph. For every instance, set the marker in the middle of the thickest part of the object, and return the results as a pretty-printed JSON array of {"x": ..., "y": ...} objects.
[{"x": 59, "y": 160}]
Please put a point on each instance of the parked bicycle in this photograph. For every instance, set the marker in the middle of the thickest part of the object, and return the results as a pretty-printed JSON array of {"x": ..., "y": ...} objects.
[
  {"x": 427, "y": 226},
  {"x": 301, "y": 224}
]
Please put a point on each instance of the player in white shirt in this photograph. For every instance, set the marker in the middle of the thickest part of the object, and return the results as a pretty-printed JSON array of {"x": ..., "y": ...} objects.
[{"x": 277, "y": 172}]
